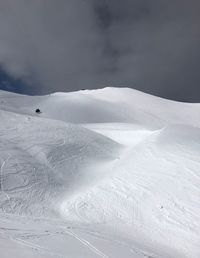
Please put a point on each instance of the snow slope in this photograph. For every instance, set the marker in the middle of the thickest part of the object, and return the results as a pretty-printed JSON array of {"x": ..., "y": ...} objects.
[{"x": 102, "y": 173}]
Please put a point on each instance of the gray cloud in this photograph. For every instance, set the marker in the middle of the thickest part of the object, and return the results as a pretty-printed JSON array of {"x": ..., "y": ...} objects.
[
  {"x": 72, "y": 44},
  {"x": 51, "y": 43},
  {"x": 158, "y": 46}
]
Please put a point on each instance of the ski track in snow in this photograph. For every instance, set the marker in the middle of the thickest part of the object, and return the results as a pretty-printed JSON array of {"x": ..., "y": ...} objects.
[
  {"x": 39, "y": 248},
  {"x": 88, "y": 244},
  {"x": 48, "y": 251},
  {"x": 1, "y": 180}
]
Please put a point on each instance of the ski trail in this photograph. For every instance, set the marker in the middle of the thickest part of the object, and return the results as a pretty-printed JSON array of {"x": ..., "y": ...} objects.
[
  {"x": 88, "y": 244},
  {"x": 1, "y": 180},
  {"x": 37, "y": 247}
]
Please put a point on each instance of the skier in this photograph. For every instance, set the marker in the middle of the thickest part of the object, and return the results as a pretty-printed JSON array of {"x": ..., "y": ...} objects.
[{"x": 38, "y": 111}]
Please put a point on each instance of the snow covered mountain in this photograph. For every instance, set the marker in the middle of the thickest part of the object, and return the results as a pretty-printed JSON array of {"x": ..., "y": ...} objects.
[{"x": 103, "y": 173}]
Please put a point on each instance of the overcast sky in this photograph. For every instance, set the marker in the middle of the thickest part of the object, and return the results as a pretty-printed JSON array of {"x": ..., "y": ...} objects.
[{"x": 65, "y": 45}]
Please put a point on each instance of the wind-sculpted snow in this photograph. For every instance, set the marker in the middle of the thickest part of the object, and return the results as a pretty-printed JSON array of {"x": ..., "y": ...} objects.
[
  {"x": 154, "y": 189},
  {"x": 42, "y": 159},
  {"x": 120, "y": 180}
]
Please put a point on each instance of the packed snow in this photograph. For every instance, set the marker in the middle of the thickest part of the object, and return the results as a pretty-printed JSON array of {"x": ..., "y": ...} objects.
[{"x": 112, "y": 173}]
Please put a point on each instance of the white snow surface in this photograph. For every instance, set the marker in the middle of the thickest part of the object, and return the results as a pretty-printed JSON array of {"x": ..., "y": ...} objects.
[{"x": 106, "y": 173}]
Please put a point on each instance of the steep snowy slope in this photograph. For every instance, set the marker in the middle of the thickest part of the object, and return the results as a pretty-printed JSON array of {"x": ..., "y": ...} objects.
[
  {"x": 103, "y": 173},
  {"x": 108, "y": 105}
]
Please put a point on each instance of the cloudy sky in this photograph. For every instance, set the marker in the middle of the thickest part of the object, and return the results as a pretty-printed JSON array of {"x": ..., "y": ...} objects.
[{"x": 66, "y": 45}]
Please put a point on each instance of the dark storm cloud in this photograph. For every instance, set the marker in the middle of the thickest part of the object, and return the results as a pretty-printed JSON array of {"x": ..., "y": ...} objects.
[
  {"x": 72, "y": 44},
  {"x": 52, "y": 44},
  {"x": 158, "y": 46}
]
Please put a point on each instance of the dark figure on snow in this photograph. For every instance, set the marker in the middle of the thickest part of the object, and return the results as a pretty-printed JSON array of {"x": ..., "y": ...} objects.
[{"x": 37, "y": 111}]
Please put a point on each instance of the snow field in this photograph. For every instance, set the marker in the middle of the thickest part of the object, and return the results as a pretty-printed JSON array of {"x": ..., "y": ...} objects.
[{"x": 115, "y": 161}]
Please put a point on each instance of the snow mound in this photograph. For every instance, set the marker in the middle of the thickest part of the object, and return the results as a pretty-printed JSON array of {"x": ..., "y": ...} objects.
[
  {"x": 154, "y": 189},
  {"x": 46, "y": 160}
]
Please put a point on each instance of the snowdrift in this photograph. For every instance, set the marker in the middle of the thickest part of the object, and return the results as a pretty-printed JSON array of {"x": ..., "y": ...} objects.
[{"x": 40, "y": 159}]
